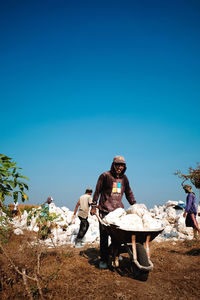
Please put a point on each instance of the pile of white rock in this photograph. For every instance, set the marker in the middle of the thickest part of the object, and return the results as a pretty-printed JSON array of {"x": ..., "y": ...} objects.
[{"x": 136, "y": 218}]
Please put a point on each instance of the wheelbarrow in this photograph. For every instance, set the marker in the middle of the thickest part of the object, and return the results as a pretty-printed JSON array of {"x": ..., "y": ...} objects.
[{"x": 136, "y": 244}]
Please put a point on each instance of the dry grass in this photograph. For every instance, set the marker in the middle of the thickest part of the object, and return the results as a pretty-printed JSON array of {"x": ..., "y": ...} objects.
[{"x": 68, "y": 273}]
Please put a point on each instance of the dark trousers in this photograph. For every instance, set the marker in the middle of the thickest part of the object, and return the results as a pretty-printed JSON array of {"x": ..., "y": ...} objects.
[
  {"x": 104, "y": 252},
  {"x": 84, "y": 225},
  {"x": 104, "y": 249}
]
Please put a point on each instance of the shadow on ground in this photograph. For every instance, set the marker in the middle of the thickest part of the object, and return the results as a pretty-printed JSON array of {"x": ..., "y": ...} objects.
[
  {"x": 193, "y": 252},
  {"x": 92, "y": 255},
  {"x": 124, "y": 269}
]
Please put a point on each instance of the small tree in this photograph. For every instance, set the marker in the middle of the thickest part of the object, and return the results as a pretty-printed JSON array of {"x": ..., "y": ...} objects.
[
  {"x": 193, "y": 176},
  {"x": 10, "y": 180}
]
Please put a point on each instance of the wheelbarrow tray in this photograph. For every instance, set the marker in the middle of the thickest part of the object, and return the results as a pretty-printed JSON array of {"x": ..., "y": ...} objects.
[
  {"x": 136, "y": 244},
  {"x": 125, "y": 236}
]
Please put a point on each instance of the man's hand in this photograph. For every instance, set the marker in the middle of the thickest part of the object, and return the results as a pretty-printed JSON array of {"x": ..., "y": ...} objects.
[
  {"x": 93, "y": 211},
  {"x": 185, "y": 214}
]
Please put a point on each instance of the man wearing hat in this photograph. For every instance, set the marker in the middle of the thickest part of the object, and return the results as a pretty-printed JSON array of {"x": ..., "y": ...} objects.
[
  {"x": 111, "y": 186},
  {"x": 84, "y": 202},
  {"x": 191, "y": 210}
]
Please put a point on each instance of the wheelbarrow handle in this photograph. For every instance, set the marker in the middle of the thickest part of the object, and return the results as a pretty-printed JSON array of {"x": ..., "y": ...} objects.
[
  {"x": 146, "y": 268},
  {"x": 100, "y": 220}
]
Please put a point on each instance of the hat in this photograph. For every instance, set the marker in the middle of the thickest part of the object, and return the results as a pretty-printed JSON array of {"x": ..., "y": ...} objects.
[
  {"x": 119, "y": 159},
  {"x": 187, "y": 187},
  {"x": 49, "y": 199},
  {"x": 88, "y": 191}
]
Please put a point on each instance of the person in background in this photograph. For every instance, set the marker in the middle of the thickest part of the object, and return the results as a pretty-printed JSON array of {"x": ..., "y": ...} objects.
[
  {"x": 84, "y": 202},
  {"x": 191, "y": 210},
  {"x": 45, "y": 207},
  {"x": 111, "y": 186}
]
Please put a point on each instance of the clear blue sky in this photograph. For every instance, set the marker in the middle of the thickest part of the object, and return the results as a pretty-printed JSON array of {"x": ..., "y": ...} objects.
[{"x": 83, "y": 81}]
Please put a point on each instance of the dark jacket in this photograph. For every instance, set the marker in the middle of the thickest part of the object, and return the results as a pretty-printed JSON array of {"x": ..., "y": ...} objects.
[{"x": 111, "y": 190}]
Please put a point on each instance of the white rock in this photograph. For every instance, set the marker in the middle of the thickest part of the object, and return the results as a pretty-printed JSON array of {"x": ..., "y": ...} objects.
[
  {"x": 65, "y": 210},
  {"x": 139, "y": 209},
  {"x": 18, "y": 231},
  {"x": 181, "y": 202},
  {"x": 137, "y": 218},
  {"x": 150, "y": 223},
  {"x": 130, "y": 222},
  {"x": 114, "y": 215},
  {"x": 182, "y": 228},
  {"x": 171, "y": 214},
  {"x": 171, "y": 203}
]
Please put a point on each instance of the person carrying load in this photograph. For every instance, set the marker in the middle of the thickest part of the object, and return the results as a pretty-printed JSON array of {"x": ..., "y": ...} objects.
[
  {"x": 111, "y": 186},
  {"x": 84, "y": 202}
]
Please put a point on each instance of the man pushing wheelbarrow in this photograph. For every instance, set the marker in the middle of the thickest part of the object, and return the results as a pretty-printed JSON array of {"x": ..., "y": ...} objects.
[
  {"x": 111, "y": 186},
  {"x": 129, "y": 235}
]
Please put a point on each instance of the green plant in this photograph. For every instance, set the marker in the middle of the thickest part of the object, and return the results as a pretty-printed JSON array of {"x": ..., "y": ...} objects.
[
  {"x": 193, "y": 175},
  {"x": 26, "y": 208},
  {"x": 7, "y": 211},
  {"x": 34, "y": 291},
  {"x": 46, "y": 224},
  {"x": 32, "y": 213},
  {"x": 10, "y": 180},
  {"x": 5, "y": 229},
  {"x": 44, "y": 220},
  {"x": 54, "y": 276}
]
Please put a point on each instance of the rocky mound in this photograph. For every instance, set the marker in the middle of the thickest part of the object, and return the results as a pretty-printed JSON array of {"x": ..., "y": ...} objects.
[{"x": 136, "y": 217}]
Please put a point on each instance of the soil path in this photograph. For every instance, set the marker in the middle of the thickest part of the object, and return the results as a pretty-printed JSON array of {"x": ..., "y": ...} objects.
[{"x": 68, "y": 273}]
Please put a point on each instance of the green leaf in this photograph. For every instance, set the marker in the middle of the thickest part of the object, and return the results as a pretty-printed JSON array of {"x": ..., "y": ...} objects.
[
  {"x": 15, "y": 196},
  {"x": 8, "y": 187},
  {"x": 11, "y": 183},
  {"x": 26, "y": 186},
  {"x": 24, "y": 177},
  {"x": 14, "y": 171},
  {"x": 9, "y": 179}
]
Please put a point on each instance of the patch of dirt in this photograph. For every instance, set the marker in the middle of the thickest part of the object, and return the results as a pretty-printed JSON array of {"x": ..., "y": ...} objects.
[{"x": 68, "y": 273}]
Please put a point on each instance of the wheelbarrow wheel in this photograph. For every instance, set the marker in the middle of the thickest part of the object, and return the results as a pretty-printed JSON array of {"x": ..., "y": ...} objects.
[{"x": 142, "y": 258}]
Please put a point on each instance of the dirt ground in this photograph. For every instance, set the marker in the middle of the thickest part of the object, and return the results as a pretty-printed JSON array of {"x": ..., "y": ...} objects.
[{"x": 68, "y": 273}]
